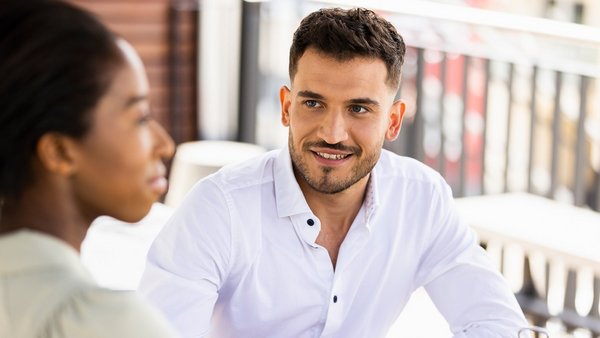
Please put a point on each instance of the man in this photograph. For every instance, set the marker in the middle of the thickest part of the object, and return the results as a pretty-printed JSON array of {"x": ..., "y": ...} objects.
[{"x": 330, "y": 237}]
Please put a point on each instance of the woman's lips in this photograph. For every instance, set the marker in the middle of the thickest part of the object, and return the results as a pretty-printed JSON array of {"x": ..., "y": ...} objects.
[{"x": 159, "y": 184}]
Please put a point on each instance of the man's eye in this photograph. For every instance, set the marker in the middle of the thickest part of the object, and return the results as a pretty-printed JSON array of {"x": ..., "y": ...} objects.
[
  {"x": 358, "y": 109},
  {"x": 311, "y": 104}
]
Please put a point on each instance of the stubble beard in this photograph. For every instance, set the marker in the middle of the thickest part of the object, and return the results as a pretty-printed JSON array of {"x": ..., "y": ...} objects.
[{"x": 325, "y": 183}]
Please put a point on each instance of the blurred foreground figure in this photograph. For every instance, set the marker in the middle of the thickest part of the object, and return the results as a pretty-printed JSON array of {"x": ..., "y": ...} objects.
[
  {"x": 77, "y": 142},
  {"x": 329, "y": 237}
]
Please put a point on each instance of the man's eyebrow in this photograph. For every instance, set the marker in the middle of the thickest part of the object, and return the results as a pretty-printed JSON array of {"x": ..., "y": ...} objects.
[
  {"x": 360, "y": 100},
  {"x": 135, "y": 99},
  {"x": 364, "y": 100},
  {"x": 310, "y": 95}
]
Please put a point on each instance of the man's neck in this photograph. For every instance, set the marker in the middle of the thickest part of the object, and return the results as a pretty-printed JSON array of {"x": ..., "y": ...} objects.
[{"x": 336, "y": 211}]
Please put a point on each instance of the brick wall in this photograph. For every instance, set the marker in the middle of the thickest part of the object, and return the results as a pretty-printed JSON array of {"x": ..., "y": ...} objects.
[{"x": 164, "y": 32}]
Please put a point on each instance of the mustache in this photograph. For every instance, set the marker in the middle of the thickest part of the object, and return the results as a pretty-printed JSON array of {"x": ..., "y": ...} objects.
[{"x": 336, "y": 146}]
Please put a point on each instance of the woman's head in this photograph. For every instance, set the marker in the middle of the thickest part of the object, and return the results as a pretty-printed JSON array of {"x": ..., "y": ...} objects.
[
  {"x": 69, "y": 89},
  {"x": 56, "y": 61},
  {"x": 116, "y": 168}
]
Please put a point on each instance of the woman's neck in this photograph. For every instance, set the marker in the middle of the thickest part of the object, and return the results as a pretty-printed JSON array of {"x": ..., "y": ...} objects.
[{"x": 45, "y": 211}]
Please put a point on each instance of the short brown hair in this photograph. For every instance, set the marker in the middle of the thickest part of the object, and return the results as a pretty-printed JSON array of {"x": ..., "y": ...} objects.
[{"x": 345, "y": 34}]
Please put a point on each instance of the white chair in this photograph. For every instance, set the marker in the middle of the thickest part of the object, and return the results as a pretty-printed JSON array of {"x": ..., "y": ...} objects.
[{"x": 197, "y": 159}]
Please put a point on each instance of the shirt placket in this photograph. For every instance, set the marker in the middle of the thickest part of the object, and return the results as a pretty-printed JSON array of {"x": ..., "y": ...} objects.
[
  {"x": 335, "y": 308},
  {"x": 338, "y": 298},
  {"x": 308, "y": 227}
]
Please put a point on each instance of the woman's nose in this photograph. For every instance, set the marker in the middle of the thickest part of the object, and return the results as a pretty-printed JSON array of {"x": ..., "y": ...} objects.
[{"x": 164, "y": 145}]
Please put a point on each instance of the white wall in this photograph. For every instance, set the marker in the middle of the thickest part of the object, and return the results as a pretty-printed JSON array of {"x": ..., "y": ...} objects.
[{"x": 220, "y": 24}]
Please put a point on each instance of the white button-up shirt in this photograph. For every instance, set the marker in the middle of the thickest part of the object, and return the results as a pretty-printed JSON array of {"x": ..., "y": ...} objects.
[{"x": 239, "y": 258}]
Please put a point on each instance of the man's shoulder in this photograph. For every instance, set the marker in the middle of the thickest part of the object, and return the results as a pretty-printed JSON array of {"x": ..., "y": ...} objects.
[
  {"x": 393, "y": 165},
  {"x": 395, "y": 172},
  {"x": 252, "y": 172}
]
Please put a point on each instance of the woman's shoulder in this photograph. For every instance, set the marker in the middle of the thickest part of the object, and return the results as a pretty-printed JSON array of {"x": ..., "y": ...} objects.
[{"x": 97, "y": 312}]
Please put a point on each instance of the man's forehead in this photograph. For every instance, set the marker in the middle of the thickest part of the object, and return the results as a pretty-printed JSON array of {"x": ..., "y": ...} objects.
[
  {"x": 325, "y": 69},
  {"x": 312, "y": 54}
]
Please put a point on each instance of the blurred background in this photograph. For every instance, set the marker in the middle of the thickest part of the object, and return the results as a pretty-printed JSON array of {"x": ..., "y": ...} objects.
[
  {"x": 503, "y": 97},
  {"x": 502, "y": 94}
]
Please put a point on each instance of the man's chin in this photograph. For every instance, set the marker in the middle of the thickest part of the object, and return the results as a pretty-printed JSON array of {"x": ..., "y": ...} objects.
[{"x": 329, "y": 187}]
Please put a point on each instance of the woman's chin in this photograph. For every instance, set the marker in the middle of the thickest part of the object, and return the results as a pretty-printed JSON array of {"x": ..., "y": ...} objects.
[{"x": 134, "y": 215}]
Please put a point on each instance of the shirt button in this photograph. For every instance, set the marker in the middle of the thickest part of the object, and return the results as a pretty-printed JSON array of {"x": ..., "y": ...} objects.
[
  {"x": 310, "y": 222},
  {"x": 335, "y": 299}
]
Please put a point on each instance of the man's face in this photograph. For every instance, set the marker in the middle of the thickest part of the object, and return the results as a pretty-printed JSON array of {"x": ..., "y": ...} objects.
[{"x": 338, "y": 114}]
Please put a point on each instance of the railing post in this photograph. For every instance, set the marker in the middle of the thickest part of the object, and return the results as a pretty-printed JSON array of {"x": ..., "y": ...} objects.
[
  {"x": 487, "y": 75},
  {"x": 511, "y": 75},
  {"x": 570, "y": 292},
  {"x": 250, "y": 78},
  {"x": 556, "y": 137},
  {"x": 463, "y": 154},
  {"x": 580, "y": 148},
  {"x": 415, "y": 134},
  {"x": 442, "y": 155},
  {"x": 533, "y": 110}
]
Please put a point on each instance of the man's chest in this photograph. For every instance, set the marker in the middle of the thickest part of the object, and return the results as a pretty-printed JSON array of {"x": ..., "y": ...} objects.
[{"x": 292, "y": 281}]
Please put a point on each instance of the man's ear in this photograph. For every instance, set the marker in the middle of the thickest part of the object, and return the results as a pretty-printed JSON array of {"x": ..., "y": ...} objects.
[
  {"x": 395, "y": 122},
  {"x": 56, "y": 153},
  {"x": 285, "y": 99}
]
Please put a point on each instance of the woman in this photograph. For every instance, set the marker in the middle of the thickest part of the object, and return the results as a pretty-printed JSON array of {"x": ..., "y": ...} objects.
[{"x": 77, "y": 142}]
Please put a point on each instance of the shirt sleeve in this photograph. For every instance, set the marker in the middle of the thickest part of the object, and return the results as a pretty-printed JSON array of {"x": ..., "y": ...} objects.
[
  {"x": 188, "y": 261},
  {"x": 461, "y": 280},
  {"x": 99, "y": 313}
]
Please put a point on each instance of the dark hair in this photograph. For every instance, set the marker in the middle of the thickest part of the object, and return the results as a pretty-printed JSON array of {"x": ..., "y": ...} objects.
[
  {"x": 56, "y": 62},
  {"x": 345, "y": 34}
]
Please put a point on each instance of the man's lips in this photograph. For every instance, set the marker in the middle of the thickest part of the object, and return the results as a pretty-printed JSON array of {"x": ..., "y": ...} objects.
[{"x": 331, "y": 156}]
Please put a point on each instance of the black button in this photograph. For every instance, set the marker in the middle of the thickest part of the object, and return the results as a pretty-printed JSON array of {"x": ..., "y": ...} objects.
[
  {"x": 310, "y": 222},
  {"x": 335, "y": 299}
]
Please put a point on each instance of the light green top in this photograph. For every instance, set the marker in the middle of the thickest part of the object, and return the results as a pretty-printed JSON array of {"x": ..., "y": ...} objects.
[{"x": 45, "y": 292}]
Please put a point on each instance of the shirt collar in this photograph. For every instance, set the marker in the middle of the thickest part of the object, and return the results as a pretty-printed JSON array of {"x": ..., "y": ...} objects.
[
  {"x": 291, "y": 201},
  {"x": 288, "y": 195},
  {"x": 371, "y": 201}
]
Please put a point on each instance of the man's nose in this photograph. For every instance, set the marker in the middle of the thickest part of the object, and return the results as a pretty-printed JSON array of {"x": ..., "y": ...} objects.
[{"x": 334, "y": 127}]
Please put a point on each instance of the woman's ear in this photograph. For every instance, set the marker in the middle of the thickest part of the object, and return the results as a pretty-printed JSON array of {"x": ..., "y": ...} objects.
[{"x": 56, "y": 153}]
